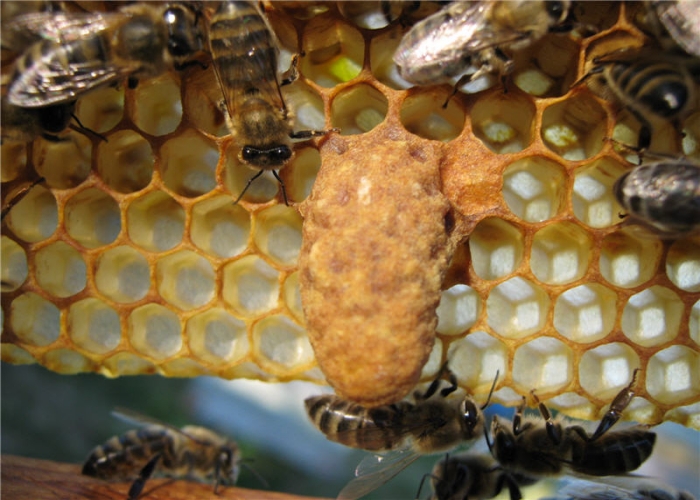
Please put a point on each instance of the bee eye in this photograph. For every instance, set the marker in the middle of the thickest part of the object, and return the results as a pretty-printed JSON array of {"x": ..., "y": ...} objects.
[
  {"x": 555, "y": 9},
  {"x": 280, "y": 154},
  {"x": 470, "y": 414},
  {"x": 249, "y": 154}
]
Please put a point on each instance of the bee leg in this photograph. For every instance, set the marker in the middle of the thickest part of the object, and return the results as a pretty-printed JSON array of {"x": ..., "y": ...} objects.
[
  {"x": 518, "y": 417},
  {"x": 553, "y": 431},
  {"x": 594, "y": 71},
  {"x": 618, "y": 405},
  {"x": 132, "y": 82},
  {"x": 433, "y": 387},
  {"x": 84, "y": 130},
  {"x": 284, "y": 191},
  {"x": 291, "y": 75},
  {"x": 140, "y": 482},
  {"x": 506, "y": 480},
  {"x": 250, "y": 181},
  {"x": 19, "y": 197},
  {"x": 308, "y": 134}
]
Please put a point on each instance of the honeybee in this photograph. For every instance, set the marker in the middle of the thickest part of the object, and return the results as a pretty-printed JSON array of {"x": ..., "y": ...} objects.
[
  {"x": 475, "y": 477},
  {"x": 668, "y": 92},
  {"x": 432, "y": 424},
  {"x": 464, "y": 34},
  {"x": 534, "y": 448},
  {"x": 665, "y": 195},
  {"x": 193, "y": 452},
  {"x": 79, "y": 51},
  {"x": 244, "y": 52},
  {"x": 681, "y": 18}
]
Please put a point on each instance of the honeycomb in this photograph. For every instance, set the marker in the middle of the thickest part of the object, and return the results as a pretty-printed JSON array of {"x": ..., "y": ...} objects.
[{"x": 131, "y": 258}]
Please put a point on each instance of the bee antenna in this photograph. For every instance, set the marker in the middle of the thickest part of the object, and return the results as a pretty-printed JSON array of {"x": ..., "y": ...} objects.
[
  {"x": 254, "y": 472},
  {"x": 493, "y": 386}
]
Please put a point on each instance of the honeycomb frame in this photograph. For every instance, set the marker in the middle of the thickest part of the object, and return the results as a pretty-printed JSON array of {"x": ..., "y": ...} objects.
[{"x": 151, "y": 269}]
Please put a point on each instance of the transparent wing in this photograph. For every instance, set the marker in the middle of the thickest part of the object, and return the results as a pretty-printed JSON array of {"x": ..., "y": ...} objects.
[
  {"x": 682, "y": 20},
  {"x": 622, "y": 488},
  {"x": 376, "y": 470},
  {"x": 135, "y": 418}
]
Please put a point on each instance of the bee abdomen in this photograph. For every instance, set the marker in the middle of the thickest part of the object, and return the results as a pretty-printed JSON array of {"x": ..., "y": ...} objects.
[
  {"x": 614, "y": 454},
  {"x": 661, "y": 87}
]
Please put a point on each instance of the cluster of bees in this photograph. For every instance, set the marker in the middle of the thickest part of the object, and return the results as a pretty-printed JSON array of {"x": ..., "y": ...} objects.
[{"x": 64, "y": 55}]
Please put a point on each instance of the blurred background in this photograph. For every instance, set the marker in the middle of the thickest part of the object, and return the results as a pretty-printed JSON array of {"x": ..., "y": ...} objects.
[{"x": 58, "y": 417}]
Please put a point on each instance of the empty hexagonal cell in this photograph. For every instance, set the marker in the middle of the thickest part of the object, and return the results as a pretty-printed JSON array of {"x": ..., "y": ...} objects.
[
  {"x": 560, "y": 253},
  {"x": 16, "y": 355},
  {"x": 126, "y": 363},
  {"x": 574, "y": 405},
  {"x": 188, "y": 164},
  {"x": 517, "y": 308},
  {"x": 459, "y": 309},
  {"x": 278, "y": 234},
  {"x": 66, "y": 362},
  {"x": 217, "y": 337},
  {"x": 237, "y": 175},
  {"x": 251, "y": 286},
  {"x": 60, "y": 269},
  {"x": 593, "y": 200},
  {"x": 628, "y": 260},
  {"x": 423, "y": 114},
  {"x": 673, "y": 375},
  {"x": 502, "y": 121},
  {"x": 545, "y": 364},
  {"x": 155, "y": 331},
  {"x": 94, "y": 326},
  {"x": 185, "y": 279},
  {"x": 496, "y": 248},
  {"x": 476, "y": 358},
  {"x": 125, "y": 162},
  {"x": 381, "y": 58},
  {"x": 575, "y": 128},
  {"x": 34, "y": 217},
  {"x": 683, "y": 265},
  {"x": 304, "y": 168},
  {"x": 101, "y": 109},
  {"x": 358, "y": 109},
  {"x": 694, "y": 323},
  {"x": 533, "y": 188},
  {"x": 14, "y": 265},
  {"x": 307, "y": 106},
  {"x": 122, "y": 274},
  {"x": 652, "y": 317},
  {"x": 586, "y": 313},
  {"x": 292, "y": 296},
  {"x": 155, "y": 222},
  {"x": 64, "y": 164},
  {"x": 281, "y": 345},
  {"x": 35, "y": 320},
  {"x": 219, "y": 227},
  {"x": 92, "y": 218},
  {"x": 157, "y": 109},
  {"x": 606, "y": 369},
  {"x": 334, "y": 51}
]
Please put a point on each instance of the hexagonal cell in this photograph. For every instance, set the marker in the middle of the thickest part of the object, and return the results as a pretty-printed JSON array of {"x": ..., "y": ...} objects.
[
  {"x": 552, "y": 69},
  {"x": 602, "y": 14},
  {"x": 574, "y": 405},
  {"x": 626, "y": 260},
  {"x": 358, "y": 109},
  {"x": 575, "y": 128},
  {"x": 94, "y": 326},
  {"x": 16, "y": 355},
  {"x": 691, "y": 137},
  {"x": 459, "y": 309},
  {"x": 694, "y": 323},
  {"x": 35, "y": 320},
  {"x": 544, "y": 364},
  {"x": 683, "y": 265},
  {"x": 237, "y": 175},
  {"x": 126, "y": 363},
  {"x": 217, "y": 337},
  {"x": 281, "y": 345},
  {"x": 219, "y": 227},
  {"x": 381, "y": 58},
  {"x": 101, "y": 109},
  {"x": 64, "y": 164},
  {"x": 533, "y": 188},
  {"x": 517, "y": 308},
  {"x": 14, "y": 265},
  {"x": 688, "y": 415},
  {"x": 334, "y": 51},
  {"x": 157, "y": 109},
  {"x": 586, "y": 313},
  {"x": 422, "y": 114},
  {"x": 184, "y": 367},
  {"x": 605, "y": 370},
  {"x": 66, "y": 362},
  {"x": 302, "y": 10},
  {"x": 92, "y": 218},
  {"x": 185, "y": 279},
  {"x": 292, "y": 296},
  {"x": 278, "y": 234},
  {"x": 188, "y": 164},
  {"x": 593, "y": 200},
  {"x": 652, "y": 317},
  {"x": 60, "y": 269},
  {"x": 35, "y": 217},
  {"x": 251, "y": 286},
  {"x": 673, "y": 375},
  {"x": 664, "y": 137},
  {"x": 301, "y": 176},
  {"x": 125, "y": 163},
  {"x": 155, "y": 222},
  {"x": 502, "y": 121},
  {"x": 476, "y": 358},
  {"x": 496, "y": 248},
  {"x": 155, "y": 331},
  {"x": 13, "y": 157},
  {"x": 561, "y": 253},
  {"x": 369, "y": 14},
  {"x": 431, "y": 367},
  {"x": 201, "y": 102},
  {"x": 122, "y": 274},
  {"x": 307, "y": 106}
]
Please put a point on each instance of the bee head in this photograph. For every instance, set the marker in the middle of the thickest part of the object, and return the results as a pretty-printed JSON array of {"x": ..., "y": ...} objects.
[
  {"x": 268, "y": 158},
  {"x": 184, "y": 38},
  {"x": 227, "y": 467},
  {"x": 471, "y": 418}
]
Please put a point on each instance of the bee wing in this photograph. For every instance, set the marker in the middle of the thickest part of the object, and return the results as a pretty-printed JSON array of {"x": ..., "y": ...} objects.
[
  {"x": 139, "y": 419},
  {"x": 682, "y": 20},
  {"x": 375, "y": 470},
  {"x": 620, "y": 487}
]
